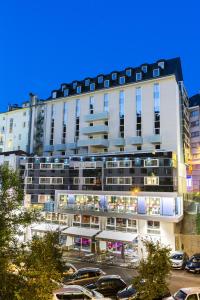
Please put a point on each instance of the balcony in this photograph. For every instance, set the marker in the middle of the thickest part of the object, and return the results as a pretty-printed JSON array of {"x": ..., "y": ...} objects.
[
  {"x": 97, "y": 117},
  {"x": 99, "y": 129},
  {"x": 117, "y": 142},
  {"x": 93, "y": 142},
  {"x": 135, "y": 140},
  {"x": 154, "y": 139},
  {"x": 48, "y": 148}
]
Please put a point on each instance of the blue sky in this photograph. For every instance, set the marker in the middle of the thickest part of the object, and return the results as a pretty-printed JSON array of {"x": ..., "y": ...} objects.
[{"x": 46, "y": 42}]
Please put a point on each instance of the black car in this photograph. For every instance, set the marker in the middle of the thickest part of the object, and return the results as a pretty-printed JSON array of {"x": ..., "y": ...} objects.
[
  {"x": 131, "y": 293},
  {"x": 68, "y": 271},
  {"x": 84, "y": 276},
  {"x": 193, "y": 264},
  {"x": 108, "y": 285}
]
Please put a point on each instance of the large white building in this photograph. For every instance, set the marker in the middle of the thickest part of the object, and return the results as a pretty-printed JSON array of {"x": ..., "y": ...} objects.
[
  {"x": 108, "y": 156},
  {"x": 115, "y": 149}
]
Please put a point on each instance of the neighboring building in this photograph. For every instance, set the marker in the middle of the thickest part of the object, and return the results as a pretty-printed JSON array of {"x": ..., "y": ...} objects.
[
  {"x": 12, "y": 158},
  {"x": 193, "y": 177},
  {"x": 115, "y": 148}
]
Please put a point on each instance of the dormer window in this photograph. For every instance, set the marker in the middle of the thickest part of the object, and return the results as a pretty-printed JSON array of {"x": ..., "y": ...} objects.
[
  {"x": 87, "y": 82},
  {"x": 100, "y": 79},
  {"x": 122, "y": 80},
  {"x": 156, "y": 72},
  {"x": 92, "y": 86},
  {"x": 114, "y": 76},
  {"x": 128, "y": 72},
  {"x": 144, "y": 69},
  {"x": 66, "y": 92},
  {"x": 161, "y": 64},
  {"x": 138, "y": 76},
  {"x": 63, "y": 87},
  {"x": 106, "y": 83},
  {"x": 78, "y": 89},
  {"x": 74, "y": 85},
  {"x": 54, "y": 94}
]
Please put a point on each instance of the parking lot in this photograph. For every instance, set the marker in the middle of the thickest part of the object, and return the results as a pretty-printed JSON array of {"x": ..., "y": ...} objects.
[{"x": 178, "y": 278}]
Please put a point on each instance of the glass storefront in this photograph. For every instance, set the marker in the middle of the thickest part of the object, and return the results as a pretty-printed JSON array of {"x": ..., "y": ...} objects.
[
  {"x": 153, "y": 206},
  {"x": 81, "y": 243}
]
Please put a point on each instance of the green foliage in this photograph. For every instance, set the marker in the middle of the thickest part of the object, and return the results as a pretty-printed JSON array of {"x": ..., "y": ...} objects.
[
  {"x": 198, "y": 223},
  {"x": 153, "y": 272},
  {"x": 42, "y": 268}
]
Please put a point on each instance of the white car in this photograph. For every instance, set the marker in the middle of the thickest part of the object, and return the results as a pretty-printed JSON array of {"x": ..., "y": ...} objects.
[
  {"x": 192, "y": 293},
  {"x": 77, "y": 292},
  {"x": 179, "y": 259}
]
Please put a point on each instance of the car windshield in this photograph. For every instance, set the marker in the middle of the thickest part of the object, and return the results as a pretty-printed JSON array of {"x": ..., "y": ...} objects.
[
  {"x": 177, "y": 256},
  {"x": 180, "y": 295}
]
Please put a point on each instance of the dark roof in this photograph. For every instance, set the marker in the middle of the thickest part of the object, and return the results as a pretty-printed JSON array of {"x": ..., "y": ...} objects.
[
  {"x": 171, "y": 67},
  {"x": 194, "y": 100},
  {"x": 17, "y": 152}
]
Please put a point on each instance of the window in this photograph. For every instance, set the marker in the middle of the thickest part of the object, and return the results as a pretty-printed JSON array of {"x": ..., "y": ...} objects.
[
  {"x": 194, "y": 123},
  {"x": 157, "y": 147},
  {"x": 161, "y": 64},
  {"x": 74, "y": 85},
  {"x": 52, "y": 125},
  {"x": 195, "y": 134},
  {"x": 64, "y": 133},
  {"x": 122, "y": 80},
  {"x": 57, "y": 166},
  {"x": 28, "y": 180},
  {"x": 151, "y": 180},
  {"x": 111, "y": 221},
  {"x": 29, "y": 166},
  {"x": 194, "y": 113},
  {"x": 119, "y": 164},
  {"x": 54, "y": 95},
  {"x": 24, "y": 113},
  {"x": 77, "y": 119},
  {"x": 84, "y": 180},
  {"x": 128, "y": 72},
  {"x": 119, "y": 180},
  {"x": 56, "y": 180},
  {"x": 156, "y": 72},
  {"x": 45, "y": 166},
  {"x": 156, "y": 96},
  {"x": 44, "y": 180},
  {"x": 192, "y": 297},
  {"x": 138, "y": 76},
  {"x": 121, "y": 114},
  {"x": 114, "y": 76},
  {"x": 44, "y": 198},
  {"x": 66, "y": 92},
  {"x": 149, "y": 162},
  {"x": 91, "y": 105},
  {"x": 105, "y": 103},
  {"x": 78, "y": 89},
  {"x": 11, "y": 126},
  {"x": 19, "y": 136},
  {"x": 138, "y": 112},
  {"x": 92, "y": 86},
  {"x": 153, "y": 206},
  {"x": 100, "y": 79},
  {"x": 153, "y": 224},
  {"x": 107, "y": 83},
  {"x": 87, "y": 82},
  {"x": 144, "y": 69},
  {"x": 24, "y": 124},
  {"x": 139, "y": 147}
]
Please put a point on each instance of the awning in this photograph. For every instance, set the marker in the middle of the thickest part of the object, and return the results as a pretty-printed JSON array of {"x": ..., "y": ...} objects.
[
  {"x": 108, "y": 235},
  {"x": 80, "y": 231},
  {"x": 45, "y": 227}
]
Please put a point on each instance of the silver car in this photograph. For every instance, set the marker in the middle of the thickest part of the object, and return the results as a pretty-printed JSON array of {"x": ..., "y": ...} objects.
[
  {"x": 77, "y": 292},
  {"x": 178, "y": 259}
]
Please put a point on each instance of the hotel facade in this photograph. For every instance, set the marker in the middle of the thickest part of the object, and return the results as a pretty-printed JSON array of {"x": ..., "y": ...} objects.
[{"x": 110, "y": 157}]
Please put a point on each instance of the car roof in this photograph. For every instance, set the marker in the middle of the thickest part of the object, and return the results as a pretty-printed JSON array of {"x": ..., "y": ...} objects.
[
  {"x": 89, "y": 269},
  {"x": 191, "y": 290},
  {"x": 107, "y": 277},
  {"x": 71, "y": 289},
  {"x": 177, "y": 252}
]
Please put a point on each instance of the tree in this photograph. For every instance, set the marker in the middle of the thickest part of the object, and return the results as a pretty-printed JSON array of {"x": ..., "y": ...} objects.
[
  {"x": 12, "y": 215},
  {"x": 42, "y": 268},
  {"x": 151, "y": 282}
]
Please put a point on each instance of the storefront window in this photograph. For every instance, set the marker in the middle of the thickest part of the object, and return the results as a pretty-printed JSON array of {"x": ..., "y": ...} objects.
[
  {"x": 77, "y": 220},
  {"x": 153, "y": 206},
  {"x": 82, "y": 243},
  {"x": 85, "y": 221}
]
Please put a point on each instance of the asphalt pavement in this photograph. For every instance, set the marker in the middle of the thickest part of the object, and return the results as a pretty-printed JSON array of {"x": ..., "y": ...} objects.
[{"x": 178, "y": 278}]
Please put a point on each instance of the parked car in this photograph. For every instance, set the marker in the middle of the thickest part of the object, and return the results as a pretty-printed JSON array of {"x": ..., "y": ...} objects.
[
  {"x": 192, "y": 293},
  {"x": 130, "y": 293},
  {"x": 68, "y": 270},
  {"x": 179, "y": 259},
  {"x": 193, "y": 264},
  {"x": 108, "y": 285},
  {"x": 76, "y": 292},
  {"x": 85, "y": 276}
]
